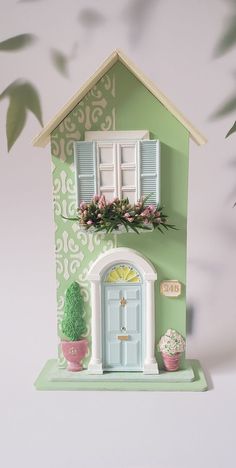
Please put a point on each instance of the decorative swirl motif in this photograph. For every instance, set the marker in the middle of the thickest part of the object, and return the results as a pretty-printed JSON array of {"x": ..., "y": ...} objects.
[
  {"x": 80, "y": 112},
  {"x": 68, "y": 255},
  {"x": 70, "y": 125},
  {"x": 66, "y": 209},
  {"x": 63, "y": 184},
  {"x": 55, "y": 147},
  {"x": 95, "y": 92},
  {"x": 107, "y": 124},
  {"x": 76, "y": 250},
  {"x": 106, "y": 81}
]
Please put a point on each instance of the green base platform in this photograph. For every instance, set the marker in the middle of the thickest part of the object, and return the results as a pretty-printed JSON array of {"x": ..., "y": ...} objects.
[{"x": 189, "y": 379}]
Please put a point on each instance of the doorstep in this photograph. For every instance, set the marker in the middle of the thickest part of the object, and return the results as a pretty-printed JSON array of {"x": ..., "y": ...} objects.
[{"x": 189, "y": 378}]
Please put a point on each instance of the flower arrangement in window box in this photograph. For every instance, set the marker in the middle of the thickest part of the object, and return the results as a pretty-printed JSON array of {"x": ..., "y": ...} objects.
[
  {"x": 120, "y": 215},
  {"x": 171, "y": 345}
]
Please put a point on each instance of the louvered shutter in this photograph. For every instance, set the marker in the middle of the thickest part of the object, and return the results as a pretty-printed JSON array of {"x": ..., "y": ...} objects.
[
  {"x": 149, "y": 170},
  {"x": 85, "y": 166}
]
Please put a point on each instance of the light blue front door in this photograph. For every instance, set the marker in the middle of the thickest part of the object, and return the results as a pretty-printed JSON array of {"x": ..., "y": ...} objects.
[{"x": 122, "y": 327}]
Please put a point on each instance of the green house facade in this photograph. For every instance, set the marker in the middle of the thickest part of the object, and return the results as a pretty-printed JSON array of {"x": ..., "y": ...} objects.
[{"x": 120, "y": 112}]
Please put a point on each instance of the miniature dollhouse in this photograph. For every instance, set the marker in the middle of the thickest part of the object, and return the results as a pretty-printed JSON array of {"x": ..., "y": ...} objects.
[{"x": 119, "y": 137}]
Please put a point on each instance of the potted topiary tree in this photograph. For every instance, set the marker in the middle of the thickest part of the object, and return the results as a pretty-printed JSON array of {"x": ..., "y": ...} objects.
[
  {"x": 74, "y": 346},
  {"x": 171, "y": 345}
]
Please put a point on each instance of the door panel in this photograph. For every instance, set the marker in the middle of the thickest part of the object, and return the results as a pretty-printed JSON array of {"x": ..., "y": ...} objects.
[
  {"x": 132, "y": 317},
  {"x": 114, "y": 353},
  {"x": 113, "y": 317},
  {"x": 131, "y": 352},
  {"x": 122, "y": 319}
]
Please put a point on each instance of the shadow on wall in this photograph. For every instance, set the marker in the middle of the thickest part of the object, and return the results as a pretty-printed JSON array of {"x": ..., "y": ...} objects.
[
  {"x": 190, "y": 319},
  {"x": 227, "y": 43},
  {"x": 231, "y": 197},
  {"x": 137, "y": 15}
]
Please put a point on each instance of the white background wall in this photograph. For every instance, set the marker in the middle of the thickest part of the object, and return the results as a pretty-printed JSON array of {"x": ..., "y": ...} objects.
[{"x": 173, "y": 43}]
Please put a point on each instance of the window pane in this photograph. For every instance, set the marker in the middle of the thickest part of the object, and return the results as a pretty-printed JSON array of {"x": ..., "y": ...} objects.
[
  {"x": 106, "y": 154},
  {"x": 106, "y": 177},
  {"x": 128, "y": 177},
  {"x": 109, "y": 194},
  {"x": 130, "y": 194},
  {"x": 127, "y": 154}
]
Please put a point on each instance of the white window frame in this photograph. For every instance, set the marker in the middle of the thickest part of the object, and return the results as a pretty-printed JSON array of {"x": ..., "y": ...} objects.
[
  {"x": 117, "y": 167},
  {"x": 117, "y": 135}
]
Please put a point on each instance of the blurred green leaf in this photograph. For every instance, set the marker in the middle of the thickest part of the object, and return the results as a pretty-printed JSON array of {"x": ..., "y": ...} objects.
[
  {"x": 227, "y": 108},
  {"x": 17, "y": 42},
  {"x": 23, "y": 97},
  {"x": 228, "y": 39},
  {"x": 16, "y": 118},
  {"x": 232, "y": 130},
  {"x": 90, "y": 17},
  {"x": 60, "y": 61}
]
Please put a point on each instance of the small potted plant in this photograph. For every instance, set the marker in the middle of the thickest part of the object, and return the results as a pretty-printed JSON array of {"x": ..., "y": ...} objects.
[
  {"x": 74, "y": 346},
  {"x": 171, "y": 345}
]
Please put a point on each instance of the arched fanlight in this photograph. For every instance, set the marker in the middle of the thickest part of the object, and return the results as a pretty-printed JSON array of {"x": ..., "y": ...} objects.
[{"x": 121, "y": 273}]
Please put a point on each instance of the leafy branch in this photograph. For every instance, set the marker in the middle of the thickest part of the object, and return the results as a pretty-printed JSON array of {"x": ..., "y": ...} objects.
[{"x": 226, "y": 43}]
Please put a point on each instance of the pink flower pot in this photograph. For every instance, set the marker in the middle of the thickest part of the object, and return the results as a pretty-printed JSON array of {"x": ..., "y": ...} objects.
[
  {"x": 74, "y": 352},
  {"x": 171, "y": 363}
]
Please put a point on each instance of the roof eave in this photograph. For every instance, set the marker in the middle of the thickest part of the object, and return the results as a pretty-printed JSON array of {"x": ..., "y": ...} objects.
[{"x": 42, "y": 139}]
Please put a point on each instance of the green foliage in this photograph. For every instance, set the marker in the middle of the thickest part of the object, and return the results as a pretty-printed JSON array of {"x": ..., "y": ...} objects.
[
  {"x": 101, "y": 215},
  {"x": 232, "y": 130},
  {"x": 228, "y": 39},
  {"x": 226, "y": 43},
  {"x": 90, "y": 18},
  {"x": 23, "y": 97},
  {"x": 60, "y": 62},
  {"x": 227, "y": 108},
  {"x": 73, "y": 323},
  {"x": 17, "y": 42}
]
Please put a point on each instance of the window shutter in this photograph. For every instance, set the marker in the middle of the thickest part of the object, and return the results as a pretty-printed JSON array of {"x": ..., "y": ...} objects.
[
  {"x": 85, "y": 166},
  {"x": 149, "y": 170}
]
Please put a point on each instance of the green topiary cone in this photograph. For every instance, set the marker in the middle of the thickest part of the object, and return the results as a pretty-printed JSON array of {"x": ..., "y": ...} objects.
[{"x": 73, "y": 324}]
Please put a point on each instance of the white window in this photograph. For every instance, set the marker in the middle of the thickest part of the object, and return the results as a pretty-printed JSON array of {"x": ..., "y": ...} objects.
[{"x": 118, "y": 168}]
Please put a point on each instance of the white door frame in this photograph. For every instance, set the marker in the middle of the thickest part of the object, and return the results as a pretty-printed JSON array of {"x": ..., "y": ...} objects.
[{"x": 95, "y": 275}]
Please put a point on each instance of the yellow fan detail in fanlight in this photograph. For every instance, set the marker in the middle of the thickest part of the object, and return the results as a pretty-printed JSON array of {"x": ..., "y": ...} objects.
[{"x": 123, "y": 273}]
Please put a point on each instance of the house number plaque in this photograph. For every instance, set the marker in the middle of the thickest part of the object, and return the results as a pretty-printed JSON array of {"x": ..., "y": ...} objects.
[{"x": 170, "y": 288}]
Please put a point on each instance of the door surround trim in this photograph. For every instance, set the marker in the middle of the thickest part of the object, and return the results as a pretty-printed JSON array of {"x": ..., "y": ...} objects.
[{"x": 95, "y": 276}]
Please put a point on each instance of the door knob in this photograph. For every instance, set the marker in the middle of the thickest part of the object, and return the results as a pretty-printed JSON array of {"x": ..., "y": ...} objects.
[
  {"x": 123, "y": 302},
  {"x": 123, "y": 329}
]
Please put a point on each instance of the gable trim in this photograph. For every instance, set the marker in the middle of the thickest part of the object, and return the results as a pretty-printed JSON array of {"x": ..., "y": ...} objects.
[{"x": 43, "y": 137}]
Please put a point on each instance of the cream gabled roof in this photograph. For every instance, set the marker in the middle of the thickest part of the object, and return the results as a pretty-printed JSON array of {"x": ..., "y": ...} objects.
[{"x": 43, "y": 137}]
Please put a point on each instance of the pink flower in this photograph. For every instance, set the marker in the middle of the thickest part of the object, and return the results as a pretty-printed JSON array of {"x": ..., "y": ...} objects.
[
  {"x": 130, "y": 220},
  {"x": 83, "y": 205},
  {"x": 96, "y": 198},
  {"x": 89, "y": 222},
  {"x": 126, "y": 215},
  {"x": 151, "y": 208},
  {"x": 101, "y": 202}
]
